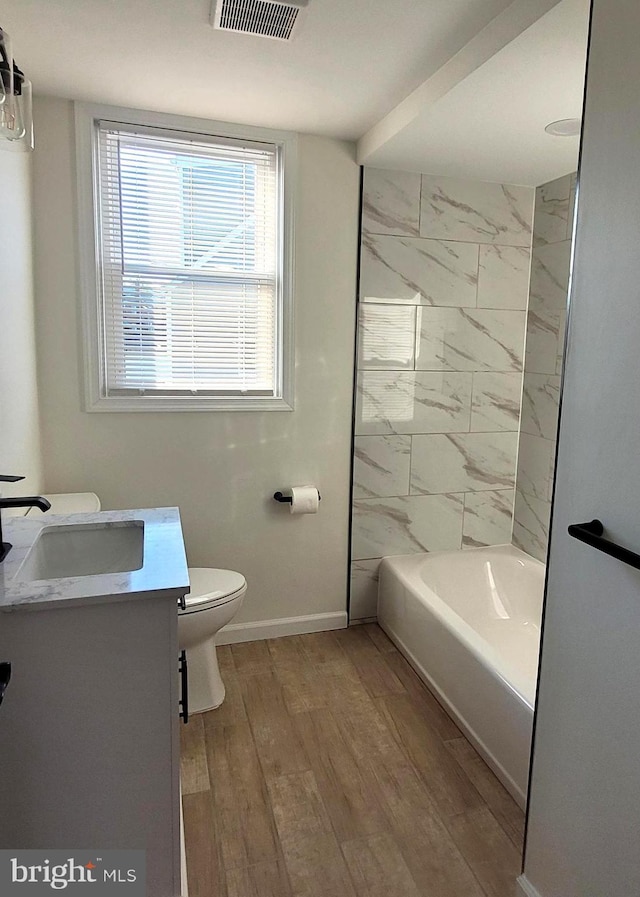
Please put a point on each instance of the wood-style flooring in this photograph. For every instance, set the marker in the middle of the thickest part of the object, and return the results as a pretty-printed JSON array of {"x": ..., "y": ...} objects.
[{"x": 331, "y": 771}]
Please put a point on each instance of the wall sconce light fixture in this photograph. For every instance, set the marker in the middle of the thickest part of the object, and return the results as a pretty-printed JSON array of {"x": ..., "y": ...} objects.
[{"x": 16, "y": 118}]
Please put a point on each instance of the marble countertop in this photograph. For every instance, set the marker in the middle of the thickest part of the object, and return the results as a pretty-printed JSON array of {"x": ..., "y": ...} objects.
[{"x": 164, "y": 567}]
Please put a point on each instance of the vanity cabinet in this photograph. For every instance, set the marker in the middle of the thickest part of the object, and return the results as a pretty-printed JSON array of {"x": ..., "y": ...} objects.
[{"x": 89, "y": 725}]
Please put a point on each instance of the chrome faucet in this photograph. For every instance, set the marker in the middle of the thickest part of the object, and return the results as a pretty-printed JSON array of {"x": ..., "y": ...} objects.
[{"x": 28, "y": 501}]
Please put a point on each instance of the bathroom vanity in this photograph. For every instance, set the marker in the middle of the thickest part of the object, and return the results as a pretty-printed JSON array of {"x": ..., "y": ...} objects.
[{"x": 89, "y": 740}]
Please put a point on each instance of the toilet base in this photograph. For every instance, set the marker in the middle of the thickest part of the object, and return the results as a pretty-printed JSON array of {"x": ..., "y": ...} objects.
[{"x": 206, "y": 688}]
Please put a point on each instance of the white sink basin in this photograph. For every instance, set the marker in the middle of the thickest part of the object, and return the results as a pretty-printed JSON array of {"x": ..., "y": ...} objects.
[{"x": 88, "y": 549}]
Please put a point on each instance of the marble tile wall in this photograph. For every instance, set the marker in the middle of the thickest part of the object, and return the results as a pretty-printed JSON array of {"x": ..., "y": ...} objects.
[
  {"x": 552, "y": 227},
  {"x": 443, "y": 296}
]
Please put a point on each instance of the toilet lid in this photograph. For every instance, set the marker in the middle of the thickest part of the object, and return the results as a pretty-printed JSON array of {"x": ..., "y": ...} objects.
[{"x": 211, "y": 586}]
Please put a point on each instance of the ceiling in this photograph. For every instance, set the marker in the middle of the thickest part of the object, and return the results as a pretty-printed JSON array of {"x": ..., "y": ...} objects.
[
  {"x": 490, "y": 125},
  {"x": 350, "y": 67},
  {"x": 350, "y": 62}
]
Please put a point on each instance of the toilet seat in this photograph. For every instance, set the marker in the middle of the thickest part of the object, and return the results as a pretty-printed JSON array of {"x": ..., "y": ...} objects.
[{"x": 212, "y": 587}]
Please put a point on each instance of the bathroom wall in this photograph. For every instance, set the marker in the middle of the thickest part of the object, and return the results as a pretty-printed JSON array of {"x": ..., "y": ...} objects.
[
  {"x": 546, "y": 318},
  {"x": 220, "y": 468},
  {"x": 19, "y": 416},
  {"x": 443, "y": 297}
]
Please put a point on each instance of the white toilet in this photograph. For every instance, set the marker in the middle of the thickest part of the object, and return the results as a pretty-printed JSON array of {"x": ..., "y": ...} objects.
[{"x": 215, "y": 598}]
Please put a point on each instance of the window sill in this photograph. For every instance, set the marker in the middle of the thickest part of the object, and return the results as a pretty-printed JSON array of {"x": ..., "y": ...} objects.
[{"x": 160, "y": 404}]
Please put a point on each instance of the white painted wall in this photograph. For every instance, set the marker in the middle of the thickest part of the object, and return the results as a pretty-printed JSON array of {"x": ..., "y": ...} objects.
[
  {"x": 584, "y": 806},
  {"x": 220, "y": 468},
  {"x": 19, "y": 422}
]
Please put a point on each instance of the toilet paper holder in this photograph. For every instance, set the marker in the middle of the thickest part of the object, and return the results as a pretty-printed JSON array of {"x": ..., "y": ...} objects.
[{"x": 287, "y": 499}]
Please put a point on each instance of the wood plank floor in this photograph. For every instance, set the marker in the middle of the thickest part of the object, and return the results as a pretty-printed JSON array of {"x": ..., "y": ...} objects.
[{"x": 331, "y": 771}]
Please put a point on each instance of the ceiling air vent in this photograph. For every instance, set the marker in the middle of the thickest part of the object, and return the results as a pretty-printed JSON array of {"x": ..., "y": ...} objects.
[{"x": 276, "y": 19}]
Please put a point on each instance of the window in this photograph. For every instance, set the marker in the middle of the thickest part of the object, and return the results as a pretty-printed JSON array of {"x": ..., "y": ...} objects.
[{"x": 187, "y": 287}]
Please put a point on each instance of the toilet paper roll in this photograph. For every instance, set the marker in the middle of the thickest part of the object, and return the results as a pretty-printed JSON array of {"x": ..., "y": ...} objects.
[{"x": 304, "y": 500}]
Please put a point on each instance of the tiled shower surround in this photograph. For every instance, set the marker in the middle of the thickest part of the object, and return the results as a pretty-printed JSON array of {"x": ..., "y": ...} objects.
[
  {"x": 443, "y": 297},
  {"x": 551, "y": 256}
]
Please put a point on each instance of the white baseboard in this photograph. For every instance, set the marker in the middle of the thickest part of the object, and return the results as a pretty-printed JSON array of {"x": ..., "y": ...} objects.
[
  {"x": 253, "y": 632},
  {"x": 524, "y": 888}
]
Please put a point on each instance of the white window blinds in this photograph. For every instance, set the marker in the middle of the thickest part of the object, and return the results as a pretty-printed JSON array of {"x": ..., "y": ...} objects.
[{"x": 190, "y": 263}]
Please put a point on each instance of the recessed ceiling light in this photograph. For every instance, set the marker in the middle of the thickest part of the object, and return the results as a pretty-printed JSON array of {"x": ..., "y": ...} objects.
[{"x": 564, "y": 127}]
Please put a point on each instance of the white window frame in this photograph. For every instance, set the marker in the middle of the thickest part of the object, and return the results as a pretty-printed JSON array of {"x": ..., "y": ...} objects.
[{"x": 95, "y": 394}]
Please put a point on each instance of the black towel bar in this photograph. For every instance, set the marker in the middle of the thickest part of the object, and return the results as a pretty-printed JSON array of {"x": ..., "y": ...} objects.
[{"x": 591, "y": 534}]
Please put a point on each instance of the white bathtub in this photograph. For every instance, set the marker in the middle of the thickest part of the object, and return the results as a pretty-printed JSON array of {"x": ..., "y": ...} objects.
[{"x": 469, "y": 622}]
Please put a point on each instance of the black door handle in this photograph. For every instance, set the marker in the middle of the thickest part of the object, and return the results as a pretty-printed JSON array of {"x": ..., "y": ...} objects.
[
  {"x": 591, "y": 534},
  {"x": 5, "y": 677},
  {"x": 184, "y": 688}
]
